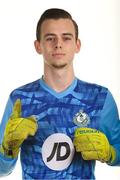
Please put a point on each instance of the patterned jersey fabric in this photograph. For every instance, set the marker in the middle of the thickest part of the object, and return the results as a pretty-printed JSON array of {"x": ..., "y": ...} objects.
[{"x": 50, "y": 154}]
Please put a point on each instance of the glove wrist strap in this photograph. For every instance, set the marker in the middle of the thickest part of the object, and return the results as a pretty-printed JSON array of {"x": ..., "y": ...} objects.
[{"x": 12, "y": 153}]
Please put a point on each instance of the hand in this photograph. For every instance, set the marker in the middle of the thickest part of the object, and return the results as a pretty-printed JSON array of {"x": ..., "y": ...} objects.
[
  {"x": 17, "y": 130},
  {"x": 93, "y": 145}
]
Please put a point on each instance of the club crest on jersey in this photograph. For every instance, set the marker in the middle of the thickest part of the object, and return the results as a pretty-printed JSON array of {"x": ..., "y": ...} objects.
[{"x": 81, "y": 119}]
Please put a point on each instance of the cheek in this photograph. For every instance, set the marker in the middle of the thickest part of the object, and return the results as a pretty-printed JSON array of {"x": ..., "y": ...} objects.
[
  {"x": 71, "y": 47},
  {"x": 71, "y": 50},
  {"x": 47, "y": 53},
  {"x": 45, "y": 49}
]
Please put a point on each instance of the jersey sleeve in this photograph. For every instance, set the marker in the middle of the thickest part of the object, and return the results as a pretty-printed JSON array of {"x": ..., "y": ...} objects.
[
  {"x": 6, "y": 164},
  {"x": 110, "y": 125}
]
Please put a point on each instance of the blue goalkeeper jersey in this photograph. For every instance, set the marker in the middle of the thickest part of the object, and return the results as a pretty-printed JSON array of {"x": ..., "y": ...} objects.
[{"x": 50, "y": 154}]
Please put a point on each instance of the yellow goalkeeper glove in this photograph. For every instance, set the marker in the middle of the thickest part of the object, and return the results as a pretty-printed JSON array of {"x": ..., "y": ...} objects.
[
  {"x": 16, "y": 131},
  {"x": 93, "y": 145}
]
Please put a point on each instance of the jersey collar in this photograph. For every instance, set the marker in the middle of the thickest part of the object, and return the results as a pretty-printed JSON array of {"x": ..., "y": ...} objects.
[{"x": 58, "y": 94}]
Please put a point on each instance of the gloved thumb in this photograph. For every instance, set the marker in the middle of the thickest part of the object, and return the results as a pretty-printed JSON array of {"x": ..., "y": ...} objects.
[{"x": 16, "y": 113}]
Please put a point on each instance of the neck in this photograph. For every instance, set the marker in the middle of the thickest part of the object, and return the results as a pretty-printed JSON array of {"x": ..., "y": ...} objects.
[{"x": 58, "y": 79}]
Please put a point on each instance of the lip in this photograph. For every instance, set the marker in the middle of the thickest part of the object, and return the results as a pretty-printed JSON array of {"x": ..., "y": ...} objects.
[{"x": 58, "y": 55}]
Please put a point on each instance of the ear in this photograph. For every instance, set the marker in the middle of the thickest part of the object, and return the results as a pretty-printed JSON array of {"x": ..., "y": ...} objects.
[
  {"x": 37, "y": 46},
  {"x": 78, "y": 45}
]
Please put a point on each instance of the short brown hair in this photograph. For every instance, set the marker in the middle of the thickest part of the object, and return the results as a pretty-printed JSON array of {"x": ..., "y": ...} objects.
[{"x": 54, "y": 13}]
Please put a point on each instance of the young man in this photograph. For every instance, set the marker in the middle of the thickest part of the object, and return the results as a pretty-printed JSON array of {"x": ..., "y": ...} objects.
[{"x": 60, "y": 124}]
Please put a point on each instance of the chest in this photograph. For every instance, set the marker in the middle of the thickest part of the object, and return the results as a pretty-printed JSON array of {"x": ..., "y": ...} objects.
[{"x": 57, "y": 115}]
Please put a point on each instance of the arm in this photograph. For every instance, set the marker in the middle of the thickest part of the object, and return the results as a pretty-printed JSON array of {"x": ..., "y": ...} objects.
[
  {"x": 102, "y": 144},
  {"x": 15, "y": 129},
  {"x": 110, "y": 125},
  {"x": 6, "y": 164}
]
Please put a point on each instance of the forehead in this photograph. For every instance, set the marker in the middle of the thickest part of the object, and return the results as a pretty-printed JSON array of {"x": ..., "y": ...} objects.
[{"x": 58, "y": 26}]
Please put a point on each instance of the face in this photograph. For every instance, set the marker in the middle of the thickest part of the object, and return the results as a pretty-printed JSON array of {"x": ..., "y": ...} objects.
[{"x": 58, "y": 44}]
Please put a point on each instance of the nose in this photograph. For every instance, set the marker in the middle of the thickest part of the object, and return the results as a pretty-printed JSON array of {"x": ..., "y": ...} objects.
[{"x": 58, "y": 44}]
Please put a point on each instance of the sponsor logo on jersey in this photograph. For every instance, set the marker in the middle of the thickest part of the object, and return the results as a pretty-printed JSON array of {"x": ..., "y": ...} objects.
[{"x": 58, "y": 151}]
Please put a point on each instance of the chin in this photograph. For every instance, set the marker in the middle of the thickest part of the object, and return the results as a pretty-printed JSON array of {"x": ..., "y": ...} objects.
[{"x": 59, "y": 66}]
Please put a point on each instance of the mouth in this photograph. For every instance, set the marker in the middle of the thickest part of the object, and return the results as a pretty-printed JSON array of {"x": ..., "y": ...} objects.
[{"x": 58, "y": 55}]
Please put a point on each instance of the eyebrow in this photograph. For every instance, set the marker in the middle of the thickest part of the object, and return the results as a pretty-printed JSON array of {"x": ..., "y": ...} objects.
[
  {"x": 68, "y": 34},
  {"x": 49, "y": 34},
  {"x": 64, "y": 34}
]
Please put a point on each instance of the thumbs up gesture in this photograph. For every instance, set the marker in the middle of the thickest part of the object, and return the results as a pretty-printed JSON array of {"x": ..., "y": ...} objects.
[{"x": 17, "y": 130}]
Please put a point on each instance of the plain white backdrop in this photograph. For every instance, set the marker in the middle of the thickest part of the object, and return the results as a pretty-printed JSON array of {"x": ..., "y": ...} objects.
[{"x": 98, "y": 61}]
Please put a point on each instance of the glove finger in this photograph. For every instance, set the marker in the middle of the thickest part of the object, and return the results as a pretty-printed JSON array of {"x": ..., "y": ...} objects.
[
  {"x": 18, "y": 130},
  {"x": 91, "y": 155},
  {"x": 16, "y": 109},
  {"x": 33, "y": 129},
  {"x": 12, "y": 125},
  {"x": 33, "y": 117},
  {"x": 30, "y": 125},
  {"x": 21, "y": 126},
  {"x": 83, "y": 144}
]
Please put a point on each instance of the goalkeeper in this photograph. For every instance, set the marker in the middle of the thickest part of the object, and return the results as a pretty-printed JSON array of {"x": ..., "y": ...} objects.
[{"x": 68, "y": 113}]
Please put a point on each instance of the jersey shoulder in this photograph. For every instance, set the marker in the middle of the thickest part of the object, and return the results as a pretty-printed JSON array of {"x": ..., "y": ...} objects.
[
  {"x": 83, "y": 86},
  {"x": 27, "y": 89}
]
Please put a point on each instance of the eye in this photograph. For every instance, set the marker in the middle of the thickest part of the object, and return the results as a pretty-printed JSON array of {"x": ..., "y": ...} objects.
[
  {"x": 50, "y": 39},
  {"x": 67, "y": 38}
]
